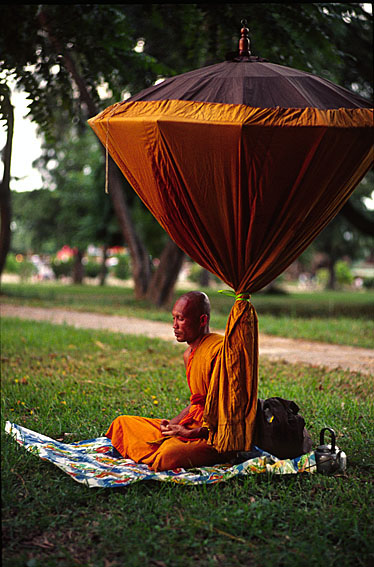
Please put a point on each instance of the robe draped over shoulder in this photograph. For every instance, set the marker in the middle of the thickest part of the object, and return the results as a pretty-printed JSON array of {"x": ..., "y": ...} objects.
[{"x": 140, "y": 438}]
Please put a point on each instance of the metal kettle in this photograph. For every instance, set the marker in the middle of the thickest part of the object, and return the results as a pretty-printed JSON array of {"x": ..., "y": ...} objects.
[{"x": 329, "y": 458}]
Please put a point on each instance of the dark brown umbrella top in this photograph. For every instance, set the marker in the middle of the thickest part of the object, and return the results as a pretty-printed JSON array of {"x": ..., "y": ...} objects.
[{"x": 254, "y": 83}]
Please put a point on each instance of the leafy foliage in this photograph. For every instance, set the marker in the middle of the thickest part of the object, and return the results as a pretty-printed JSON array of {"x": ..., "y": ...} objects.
[
  {"x": 328, "y": 39},
  {"x": 73, "y": 208},
  {"x": 324, "y": 38},
  {"x": 122, "y": 268},
  {"x": 97, "y": 36}
]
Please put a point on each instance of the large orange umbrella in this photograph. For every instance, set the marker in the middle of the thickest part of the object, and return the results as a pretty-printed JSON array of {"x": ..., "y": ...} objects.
[{"x": 243, "y": 163}]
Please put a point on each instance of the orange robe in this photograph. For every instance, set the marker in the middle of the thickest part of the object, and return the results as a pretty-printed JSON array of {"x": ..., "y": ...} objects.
[{"x": 140, "y": 438}]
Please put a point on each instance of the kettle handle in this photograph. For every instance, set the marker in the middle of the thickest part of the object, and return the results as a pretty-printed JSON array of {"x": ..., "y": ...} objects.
[{"x": 322, "y": 437}]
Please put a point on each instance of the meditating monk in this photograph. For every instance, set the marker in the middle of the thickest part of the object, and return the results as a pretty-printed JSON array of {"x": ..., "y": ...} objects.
[{"x": 165, "y": 444}]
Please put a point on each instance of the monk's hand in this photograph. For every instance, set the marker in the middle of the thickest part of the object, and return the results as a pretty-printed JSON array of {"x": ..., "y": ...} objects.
[
  {"x": 175, "y": 430},
  {"x": 164, "y": 426}
]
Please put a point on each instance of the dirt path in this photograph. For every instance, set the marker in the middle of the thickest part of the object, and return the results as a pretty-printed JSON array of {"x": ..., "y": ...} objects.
[{"x": 274, "y": 348}]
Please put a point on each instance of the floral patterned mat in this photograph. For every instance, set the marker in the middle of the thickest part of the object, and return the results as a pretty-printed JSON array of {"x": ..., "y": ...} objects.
[{"x": 92, "y": 463}]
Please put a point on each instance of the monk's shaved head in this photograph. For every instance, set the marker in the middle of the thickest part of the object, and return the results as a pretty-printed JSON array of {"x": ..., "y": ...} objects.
[
  {"x": 191, "y": 314},
  {"x": 198, "y": 302}
]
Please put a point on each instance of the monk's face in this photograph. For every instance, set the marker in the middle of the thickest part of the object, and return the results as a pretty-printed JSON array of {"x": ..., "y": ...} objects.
[{"x": 188, "y": 323}]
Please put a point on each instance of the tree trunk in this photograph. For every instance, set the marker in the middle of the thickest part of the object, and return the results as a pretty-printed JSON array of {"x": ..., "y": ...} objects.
[
  {"x": 103, "y": 270},
  {"x": 5, "y": 200},
  {"x": 160, "y": 290},
  {"x": 204, "y": 277},
  {"x": 331, "y": 284},
  {"x": 140, "y": 259},
  {"x": 78, "y": 270}
]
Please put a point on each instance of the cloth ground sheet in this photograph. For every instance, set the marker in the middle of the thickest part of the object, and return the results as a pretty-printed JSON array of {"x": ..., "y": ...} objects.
[{"x": 92, "y": 463}]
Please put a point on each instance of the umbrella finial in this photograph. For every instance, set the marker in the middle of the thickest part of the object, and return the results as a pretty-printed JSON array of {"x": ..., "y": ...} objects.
[
  {"x": 244, "y": 41},
  {"x": 244, "y": 54}
]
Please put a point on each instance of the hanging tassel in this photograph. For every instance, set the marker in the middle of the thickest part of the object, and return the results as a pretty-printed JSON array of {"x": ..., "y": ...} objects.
[{"x": 106, "y": 165}]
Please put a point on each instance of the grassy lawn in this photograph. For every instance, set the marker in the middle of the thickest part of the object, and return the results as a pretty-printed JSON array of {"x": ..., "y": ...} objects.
[
  {"x": 334, "y": 317},
  {"x": 61, "y": 381}
]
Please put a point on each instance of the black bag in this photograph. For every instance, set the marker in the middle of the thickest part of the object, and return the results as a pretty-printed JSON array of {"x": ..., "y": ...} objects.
[{"x": 280, "y": 429}]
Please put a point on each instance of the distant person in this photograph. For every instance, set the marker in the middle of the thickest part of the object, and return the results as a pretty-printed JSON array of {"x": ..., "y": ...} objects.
[{"x": 180, "y": 442}]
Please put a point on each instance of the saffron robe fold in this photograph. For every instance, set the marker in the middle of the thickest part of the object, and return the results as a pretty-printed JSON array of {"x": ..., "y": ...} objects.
[{"x": 140, "y": 438}]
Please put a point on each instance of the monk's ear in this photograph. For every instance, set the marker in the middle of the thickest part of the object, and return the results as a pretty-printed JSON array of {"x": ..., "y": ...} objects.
[{"x": 203, "y": 320}]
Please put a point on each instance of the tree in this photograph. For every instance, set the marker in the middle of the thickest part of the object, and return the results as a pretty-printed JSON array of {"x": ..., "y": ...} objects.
[
  {"x": 71, "y": 209},
  {"x": 355, "y": 210},
  {"x": 62, "y": 66},
  {"x": 5, "y": 201},
  {"x": 343, "y": 238},
  {"x": 73, "y": 168},
  {"x": 34, "y": 221}
]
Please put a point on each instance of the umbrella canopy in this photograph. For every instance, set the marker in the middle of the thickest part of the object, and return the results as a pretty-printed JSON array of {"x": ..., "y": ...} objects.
[
  {"x": 255, "y": 83},
  {"x": 243, "y": 164}
]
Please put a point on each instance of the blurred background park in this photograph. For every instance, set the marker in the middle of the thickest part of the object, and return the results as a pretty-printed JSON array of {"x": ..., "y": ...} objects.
[{"x": 65, "y": 243}]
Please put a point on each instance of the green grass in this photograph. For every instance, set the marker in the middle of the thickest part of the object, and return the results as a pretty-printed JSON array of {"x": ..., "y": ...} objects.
[
  {"x": 334, "y": 317},
  {"x": 340, "y": 330},
  {"x": 71, "y": 383}
]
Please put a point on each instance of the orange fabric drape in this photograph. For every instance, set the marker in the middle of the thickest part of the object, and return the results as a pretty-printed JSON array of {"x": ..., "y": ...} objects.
[{"x": 243, "y": 191}]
